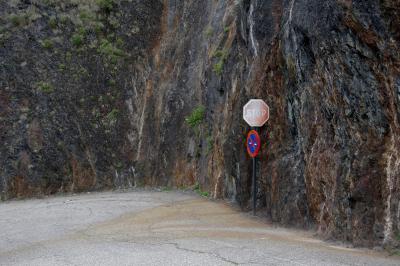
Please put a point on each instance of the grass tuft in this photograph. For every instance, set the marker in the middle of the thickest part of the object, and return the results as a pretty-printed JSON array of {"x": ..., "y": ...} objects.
[
  {"x": 77, "y": 39},
  {"x": 109, "y": 50},
  {"x": 47, "y": 44},
  {"x": 200, "y": 192},
  {"x": 45, "y": 87},
  {"x": 222, "y": 55},
  {"x": 106, "y": 5},
  {"x": 196, "y": 117}
]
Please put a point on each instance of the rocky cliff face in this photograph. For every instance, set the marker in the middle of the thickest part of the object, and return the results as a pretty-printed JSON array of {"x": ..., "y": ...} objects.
[{"x": 102, "y": 94}]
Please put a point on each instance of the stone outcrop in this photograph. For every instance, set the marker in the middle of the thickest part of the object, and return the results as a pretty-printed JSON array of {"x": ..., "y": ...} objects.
[{"x": 94, "y": 95}]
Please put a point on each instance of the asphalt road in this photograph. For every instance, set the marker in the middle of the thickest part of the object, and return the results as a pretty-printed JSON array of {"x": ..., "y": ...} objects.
[{"x": 157, "y": 228}]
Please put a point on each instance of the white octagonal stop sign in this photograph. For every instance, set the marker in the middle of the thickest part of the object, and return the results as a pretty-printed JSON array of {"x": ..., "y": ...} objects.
[{"x": 256, "y": 113}]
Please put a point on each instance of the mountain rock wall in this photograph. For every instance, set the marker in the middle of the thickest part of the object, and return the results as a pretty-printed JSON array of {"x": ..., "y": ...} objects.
[{"x": 99, "y": 94}]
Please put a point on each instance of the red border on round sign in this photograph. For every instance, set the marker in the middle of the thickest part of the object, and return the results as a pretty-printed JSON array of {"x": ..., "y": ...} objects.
[{"x": 253, "y": 155}]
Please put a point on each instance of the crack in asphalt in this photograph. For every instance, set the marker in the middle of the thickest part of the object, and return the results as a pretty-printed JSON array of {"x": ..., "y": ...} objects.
[{"x": 218, "y": 256}]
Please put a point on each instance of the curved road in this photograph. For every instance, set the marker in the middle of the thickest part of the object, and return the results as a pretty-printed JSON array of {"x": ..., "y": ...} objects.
[{"x": 156, "y": 228}]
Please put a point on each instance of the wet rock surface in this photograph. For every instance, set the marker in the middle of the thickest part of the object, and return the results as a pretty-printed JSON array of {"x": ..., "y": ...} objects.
[{"x": 94, "y": 95}]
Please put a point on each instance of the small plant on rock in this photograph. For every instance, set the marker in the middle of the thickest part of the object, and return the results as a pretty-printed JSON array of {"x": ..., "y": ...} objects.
[
  {"x": 62, "y": 67},
  {"x": 112, "y": 116},
  {"x": 18, "y": 20},
  {"x": 110, "y": 51},
  {"x": 209, "y": 32},
  {"x": 198, "y": 190},
  {"x": 45, "y": 87},
  {"x": 106, "y": 5},
  {"x": 47, "y": 44},
  {"x": 77, "y": 39},
  {"x": 218, "y": 67},
  {"x": 53, "y": 23},
  {"x": 196, "y": 117},
  {"x": 222, "y": 55}
]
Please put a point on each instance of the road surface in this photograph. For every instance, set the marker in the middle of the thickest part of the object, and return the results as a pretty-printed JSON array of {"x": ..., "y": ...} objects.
[{"x": 157, "y": 228}]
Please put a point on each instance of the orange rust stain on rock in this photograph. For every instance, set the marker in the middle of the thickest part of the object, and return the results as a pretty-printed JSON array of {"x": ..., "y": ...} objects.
[
  {"x": 274, "y": 184},
  {"x": 149, "y": 89},
  {"x": 277, "y": 12},
  {"x": 23, "y": 163},
  {"x": 216, "y": 168},
  {"x": 20, "y": 188},
  {"x": 164, "y": 28},
  {"x": 83, "y": 178},
  {"x": 35, "y": 136},
  {"x": 367, "y": 36},
  {"x": 184, "y": 174},
  {"x": 268, "y": 82},
  {"x": 168, "y": 69}
]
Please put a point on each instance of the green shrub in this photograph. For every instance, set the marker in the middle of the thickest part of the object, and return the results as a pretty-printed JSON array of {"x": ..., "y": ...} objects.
[
  {"x": 120, "y": 42},
  {"x": 111, "y": 82},
  {"x": 4, "y": 37},
  {"x": 64, "y": 19},
  {"x": 204, "y": 194},
  {"x": 62, "y": 67},
  {"x": 119, "y": 165},
  {"x": 114, "y": 22},
  {"x": 47, "y": 44},
  {"x": 45, "y": 87},
  {"x": 53, "y": 23},
  {"x": 397, "y": 236},
  {"x": 106, "y": 5},
  {"x": 111, "y": 118},
  {"x": 68, "y": 56},
  {"x": 200, "y": 192},
  {"x": 223, "y": 54},
  {"x": 219, "y": 66},
  {"x": 98, "y": 27},
  {"x": 82, "y": 31},
  {"x": 113, "y": 115},
  {"x": 196, "y": 117},
  {"x": 209, "y": 32},
  {"x": 166, "y": 189},
  {"x": 77, "y": 39},
  {"x": 108, "y": 50},
  {"x": 85, "y": 15},
  {"x": 49, "y": 3},
  {"x": 82, "y": 72},
  {"x": 18, "y": 19}
]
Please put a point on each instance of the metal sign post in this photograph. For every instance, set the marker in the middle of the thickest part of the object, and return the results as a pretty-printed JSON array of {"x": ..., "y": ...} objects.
[
  {"x": 254, "y": 185},
  {"x": 256, "y": 114},
  {"x": 253, "y": 147}
]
